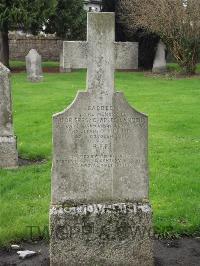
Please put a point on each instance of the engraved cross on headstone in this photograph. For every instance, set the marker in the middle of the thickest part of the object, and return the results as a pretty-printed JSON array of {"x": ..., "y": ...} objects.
[{"x": 100, "y": 54}]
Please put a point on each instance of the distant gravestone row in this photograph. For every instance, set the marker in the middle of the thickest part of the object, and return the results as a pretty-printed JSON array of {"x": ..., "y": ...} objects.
[{"x": 100, "y": 213}]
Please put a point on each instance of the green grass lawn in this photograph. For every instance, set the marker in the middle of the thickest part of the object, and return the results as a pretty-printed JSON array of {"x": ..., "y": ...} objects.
[
  {"x": 173, "y": 107},
  {"x": 22, "y": 64}
]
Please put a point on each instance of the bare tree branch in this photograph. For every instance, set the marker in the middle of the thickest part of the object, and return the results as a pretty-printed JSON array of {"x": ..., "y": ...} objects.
[{"x": 177, "y": 22}]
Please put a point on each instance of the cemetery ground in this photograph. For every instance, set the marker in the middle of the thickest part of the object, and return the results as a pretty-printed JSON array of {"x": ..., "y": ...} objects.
[{"x": 174, "y": 149}]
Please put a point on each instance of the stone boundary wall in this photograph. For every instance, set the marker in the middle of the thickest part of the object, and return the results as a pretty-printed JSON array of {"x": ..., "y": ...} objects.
[{"x": 48, "y": 47}]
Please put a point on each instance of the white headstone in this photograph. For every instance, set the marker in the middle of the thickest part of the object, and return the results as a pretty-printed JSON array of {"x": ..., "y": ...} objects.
[
  {"x": 160, "y": 65},
  {"x": 8, "y": 146},
  {"x": 34, "y": 66},
  {"x": 100, "y": 212}
]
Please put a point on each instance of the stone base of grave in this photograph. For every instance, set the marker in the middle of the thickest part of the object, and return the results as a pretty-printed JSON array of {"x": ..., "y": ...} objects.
[
  {"x": 65, "y": 70},
  {"x": 101, "y": 234},
  {"x": 8, "y": 152},
  {"x": 35, "y": 78},
  {"x": 159, "y": 70}
]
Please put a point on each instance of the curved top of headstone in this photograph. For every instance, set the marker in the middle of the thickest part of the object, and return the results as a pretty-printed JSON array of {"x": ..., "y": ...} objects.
[
  {"x": 34, "y": 65},
  {"x": 161, "y": 44},
  {"x": 33, "y": 52},
  {"x": 4, "y": 69}
]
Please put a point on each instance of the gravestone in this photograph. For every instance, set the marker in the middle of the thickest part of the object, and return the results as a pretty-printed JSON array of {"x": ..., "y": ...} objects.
[
  {"x": 100, "y": 212},
  {"x": 62, "y": 68},
  {"x": 61, "y": 62},
  {"x": 34, "y": 66},
  {"x": 8, "y": 146},
  {"x": 160, "y": 64}
]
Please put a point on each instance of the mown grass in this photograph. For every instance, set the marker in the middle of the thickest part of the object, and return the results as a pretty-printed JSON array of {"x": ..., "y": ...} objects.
[
  {"x": 22, "y": 64},
  {"x": 174, "y": 149}
]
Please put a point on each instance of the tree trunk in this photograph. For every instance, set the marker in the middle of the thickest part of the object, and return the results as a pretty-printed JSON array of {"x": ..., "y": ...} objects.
[{"x": 4, "y": 47}]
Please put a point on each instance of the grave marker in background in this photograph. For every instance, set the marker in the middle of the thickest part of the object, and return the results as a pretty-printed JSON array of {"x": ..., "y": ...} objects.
[
  {"x": 8, "y": 146},
  {"x": 100, "y": 214},
  {"x": 34, "y": 66},
  {"x": 62, "y": 68},
  {"x": 160, "y": 64}
]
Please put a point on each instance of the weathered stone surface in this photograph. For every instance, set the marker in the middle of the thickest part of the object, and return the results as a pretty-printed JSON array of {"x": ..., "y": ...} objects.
[
  {"x": 62, "y": 68},
  {"x": 61, "y": 63},
  {"x": 160, "y": 64},
  {"x": 76, "y": 55},
  {"x": 34, "y": 66},
  {"x": 126, "y": 55},
  {"x": 100, "y": 151},
  {"x": 5, "y": 102},
  {"x": 101, "y": 234},
  {"x": 100, "y": 157},
  {"x": 8, "y": 150}
]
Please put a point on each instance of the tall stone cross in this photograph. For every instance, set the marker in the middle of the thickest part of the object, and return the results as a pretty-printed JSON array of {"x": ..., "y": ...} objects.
[
  {"x": 77, "y": 55},
  {"x": 99, "y": 211},
  {"x": 8, "y": 146}
]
